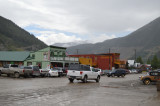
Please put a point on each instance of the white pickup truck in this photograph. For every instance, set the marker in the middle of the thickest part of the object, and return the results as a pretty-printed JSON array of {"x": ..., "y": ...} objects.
[{"x": 82, "y": 72}]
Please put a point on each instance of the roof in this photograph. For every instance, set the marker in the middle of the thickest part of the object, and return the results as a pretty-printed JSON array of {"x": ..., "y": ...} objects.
[
  {"x": 57, "y": 47},
  {"x": 13, "y": 55},
  {"x": 94, "y": 54}
]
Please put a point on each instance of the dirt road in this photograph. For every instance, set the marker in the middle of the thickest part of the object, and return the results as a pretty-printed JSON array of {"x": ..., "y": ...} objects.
[{"x": 127, "y": 91}]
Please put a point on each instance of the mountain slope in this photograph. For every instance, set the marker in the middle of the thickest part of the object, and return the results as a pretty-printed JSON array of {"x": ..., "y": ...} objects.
[
  {"x": 145, "y": 40},
  {"x": 13, "y": 37}
]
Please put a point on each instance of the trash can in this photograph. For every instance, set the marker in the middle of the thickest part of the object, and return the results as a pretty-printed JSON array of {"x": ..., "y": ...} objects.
[{"x": 158, "y": 85}]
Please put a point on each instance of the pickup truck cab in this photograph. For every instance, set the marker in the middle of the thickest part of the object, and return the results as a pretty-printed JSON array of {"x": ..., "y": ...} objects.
[
  {"x": 35, "y": 70},
  {"x": 83, "y": 73},
  {"x": 13, "y": 69}
]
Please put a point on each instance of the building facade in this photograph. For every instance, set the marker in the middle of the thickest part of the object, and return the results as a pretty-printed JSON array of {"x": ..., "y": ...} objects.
[
  {"x": 105, "y": 61},
  {"x": 52, "y": 56},
  {"x": 13, "y": 57}
]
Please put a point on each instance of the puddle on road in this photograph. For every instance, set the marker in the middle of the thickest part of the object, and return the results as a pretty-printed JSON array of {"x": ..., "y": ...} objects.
[{"x": 110, "y": 86}]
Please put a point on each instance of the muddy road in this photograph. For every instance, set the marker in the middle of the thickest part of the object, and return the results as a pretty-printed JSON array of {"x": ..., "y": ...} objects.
[{"x": 127, "y": 91}]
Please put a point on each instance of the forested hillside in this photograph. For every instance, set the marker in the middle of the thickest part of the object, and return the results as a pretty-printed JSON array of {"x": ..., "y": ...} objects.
[{"x": 12, "y": 37}]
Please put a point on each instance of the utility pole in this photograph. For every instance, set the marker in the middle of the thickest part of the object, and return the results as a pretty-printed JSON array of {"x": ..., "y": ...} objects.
[
  {"x": 77, "y": 51},
  {"x": 109, "y": 59},
  {"x": 135, "y": 55}
]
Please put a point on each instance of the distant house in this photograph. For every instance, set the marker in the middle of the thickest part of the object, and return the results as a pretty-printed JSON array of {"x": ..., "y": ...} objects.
[
  {"x": 13, "y": 57},
  {"x": 131, "y": 63}
]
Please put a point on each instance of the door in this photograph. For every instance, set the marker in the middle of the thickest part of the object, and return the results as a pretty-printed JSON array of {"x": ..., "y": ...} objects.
[{"x": 94, "y": 73}]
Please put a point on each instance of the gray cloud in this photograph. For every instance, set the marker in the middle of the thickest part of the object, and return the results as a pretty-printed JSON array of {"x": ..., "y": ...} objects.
[{"x": 82, "y": 16}]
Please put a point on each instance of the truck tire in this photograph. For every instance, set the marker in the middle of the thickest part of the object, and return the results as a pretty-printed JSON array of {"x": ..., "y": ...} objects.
[
  {"x": 98, "y": 79},
  {"x": 85, "y": 79},
  {"x": 147, "y": 81},
  {"x": 8, "y": 75},
  {"x": 16, "y": 75},
  {"x": 122, "y": 75},
  {"x": 71, "y": 80}
]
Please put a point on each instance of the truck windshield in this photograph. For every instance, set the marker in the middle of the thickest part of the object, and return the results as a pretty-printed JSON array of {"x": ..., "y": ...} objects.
[
  {"x": 13, "y": 65},
  {"x": 35, "y": 68}
]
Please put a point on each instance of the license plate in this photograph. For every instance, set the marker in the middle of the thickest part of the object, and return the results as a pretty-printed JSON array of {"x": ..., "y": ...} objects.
[{"x": 73, "y": 77}]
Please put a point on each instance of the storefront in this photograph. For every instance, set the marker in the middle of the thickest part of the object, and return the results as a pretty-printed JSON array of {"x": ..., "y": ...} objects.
[
  {"x": 52, "y": 56},
  {"x": 13, "y": 57}
]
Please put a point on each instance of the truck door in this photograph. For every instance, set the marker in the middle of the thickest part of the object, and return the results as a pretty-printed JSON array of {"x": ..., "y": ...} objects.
[{"x": 94, "y": 73}]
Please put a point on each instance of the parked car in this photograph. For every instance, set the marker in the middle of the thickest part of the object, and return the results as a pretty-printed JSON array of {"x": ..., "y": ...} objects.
[
  {"x": 44, "y": 72},
  {"x": 127, "y": 71},
  {"x": 53, "y": 72},
  {"x": 133, "y": 71},
  {"x": 152, "y": 76},
  {"x": 117, "y": 72},
  {"x": 101, "y": 72},
  {"x": 83, "y": 73},
  {"x": 106, "y": 72},
  {"x": 139, "y": 71},
  {"x": 35, "y": 70}
]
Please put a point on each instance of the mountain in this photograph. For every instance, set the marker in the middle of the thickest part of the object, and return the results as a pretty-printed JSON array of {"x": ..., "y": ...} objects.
[
  {"x": 145, "y": 41},
  {"x": 12, "y": 37},
  {"x": 69, "y": 44}
]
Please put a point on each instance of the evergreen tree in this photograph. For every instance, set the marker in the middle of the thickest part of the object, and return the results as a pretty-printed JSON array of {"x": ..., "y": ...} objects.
[
  {"x": 155, "y": 62},
  {"x": 139, "y": 60}
]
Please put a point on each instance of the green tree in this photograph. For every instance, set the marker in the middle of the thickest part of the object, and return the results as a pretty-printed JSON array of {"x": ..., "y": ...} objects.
[
  {"x": 155, "y": 62},
  {"x": 139, "y": 60}
]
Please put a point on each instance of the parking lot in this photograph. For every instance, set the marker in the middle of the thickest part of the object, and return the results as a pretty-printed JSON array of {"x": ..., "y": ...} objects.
[{"x": 57, "y": 91}]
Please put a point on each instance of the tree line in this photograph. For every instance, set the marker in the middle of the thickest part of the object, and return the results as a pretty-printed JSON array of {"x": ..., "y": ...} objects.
[{"x": 155, "y": 62}]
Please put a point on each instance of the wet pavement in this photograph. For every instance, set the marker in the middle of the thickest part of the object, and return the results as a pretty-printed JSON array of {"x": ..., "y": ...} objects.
[{"x": 127, "y": 91}]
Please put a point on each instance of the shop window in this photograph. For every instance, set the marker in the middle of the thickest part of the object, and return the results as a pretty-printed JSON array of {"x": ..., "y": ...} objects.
[
  {"x": 29, "y": 63},
  {"x": 55, "y": 53},
  {"x": 60, "y": 53},
  {"x": 33, "y": 55}
]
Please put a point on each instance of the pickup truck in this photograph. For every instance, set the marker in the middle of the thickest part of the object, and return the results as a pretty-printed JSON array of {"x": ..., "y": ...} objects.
[
  {"x": 82, "y": 72},
  {"x": 13, "y": 69}
]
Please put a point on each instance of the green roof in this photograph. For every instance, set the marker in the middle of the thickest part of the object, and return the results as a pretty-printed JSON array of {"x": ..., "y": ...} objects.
[{"x": 13, "y": 55}]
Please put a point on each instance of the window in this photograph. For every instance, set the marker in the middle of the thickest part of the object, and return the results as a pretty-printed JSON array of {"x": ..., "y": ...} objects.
[
  {"x": 6, "y": 66},
  {"x": 154, "y": 74},
  {"x": 60, "y": 53},
  {"x": 29, "y": 63},
  {"x": 33, "y": 55},
  {"x": 55, "y": 53}
]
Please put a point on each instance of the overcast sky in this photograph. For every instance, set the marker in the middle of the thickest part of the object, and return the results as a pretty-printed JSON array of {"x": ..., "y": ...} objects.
[{"x": 62, "y": 21}]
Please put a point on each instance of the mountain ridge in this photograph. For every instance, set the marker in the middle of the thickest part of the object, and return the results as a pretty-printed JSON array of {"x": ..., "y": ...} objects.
[{"x": 144, "y": 40}]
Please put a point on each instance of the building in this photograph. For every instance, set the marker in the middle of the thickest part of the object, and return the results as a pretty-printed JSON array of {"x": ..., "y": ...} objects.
[
  {"x": 103, "y": 61},
  {"x": 52, "y": 56},
  {"x": 13, "y": 57},
  {"x": 131, "y": 63},
  {"x": 123, "y": 64}
]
